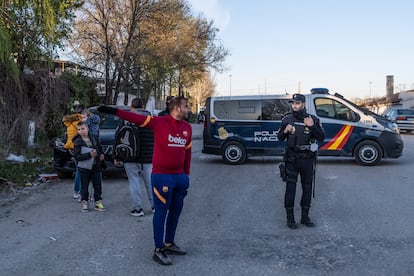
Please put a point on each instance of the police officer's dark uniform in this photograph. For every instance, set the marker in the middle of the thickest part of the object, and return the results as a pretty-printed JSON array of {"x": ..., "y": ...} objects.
[
  {"x": 166, "y": 111},
  {"x": 299, "y": 158}
]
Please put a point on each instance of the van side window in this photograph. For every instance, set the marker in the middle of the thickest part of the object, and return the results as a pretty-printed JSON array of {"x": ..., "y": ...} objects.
[
  {"x": 328, "y": 108},
  {"x": 238, "y": 110},
  {"x": 274, "y": 109}
]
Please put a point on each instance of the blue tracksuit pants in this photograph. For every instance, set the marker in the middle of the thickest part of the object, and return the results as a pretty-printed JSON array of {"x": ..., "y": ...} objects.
[{"x": 169, "y": 191}]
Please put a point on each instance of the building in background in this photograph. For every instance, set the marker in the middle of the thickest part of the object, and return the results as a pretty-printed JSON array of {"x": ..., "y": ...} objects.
[{"x": 401, "y": 99}]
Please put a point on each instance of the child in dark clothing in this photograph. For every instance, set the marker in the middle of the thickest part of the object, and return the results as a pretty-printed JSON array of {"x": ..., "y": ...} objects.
[
  {"x": 93, "y": 121},
  {"x": 89, "y": 147}
]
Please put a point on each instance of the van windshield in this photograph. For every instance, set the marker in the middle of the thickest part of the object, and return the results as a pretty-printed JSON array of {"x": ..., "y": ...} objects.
[
  {"x": 330, "y": 108},
  {"x": 365, "y": 110}
]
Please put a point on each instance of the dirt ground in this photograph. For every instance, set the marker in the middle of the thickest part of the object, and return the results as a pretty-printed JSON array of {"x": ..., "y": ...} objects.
[{"x": 13, "y": 193}]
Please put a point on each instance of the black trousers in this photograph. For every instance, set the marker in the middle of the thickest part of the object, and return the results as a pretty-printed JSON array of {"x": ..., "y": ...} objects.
[
  {"x": 93, "y": 176},
  {"x": 304, "y": 168}
]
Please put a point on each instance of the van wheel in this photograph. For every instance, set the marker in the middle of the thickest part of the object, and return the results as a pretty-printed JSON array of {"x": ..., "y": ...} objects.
[
  {"x": 234, "y": 153},
  {"x": 368, "y": 153}
]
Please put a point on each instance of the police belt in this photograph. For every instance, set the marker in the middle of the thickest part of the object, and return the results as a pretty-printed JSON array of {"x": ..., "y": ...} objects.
[
  {"x": 300, "y": 152},
  {"x": 302, "y": 148}
]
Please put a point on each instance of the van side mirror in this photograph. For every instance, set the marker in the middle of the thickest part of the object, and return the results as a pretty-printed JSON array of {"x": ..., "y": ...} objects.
[{"x": 352, "y": 116}]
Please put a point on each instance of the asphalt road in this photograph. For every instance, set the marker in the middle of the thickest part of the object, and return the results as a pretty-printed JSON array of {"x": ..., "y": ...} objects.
[{"x": 233, "y": 223}]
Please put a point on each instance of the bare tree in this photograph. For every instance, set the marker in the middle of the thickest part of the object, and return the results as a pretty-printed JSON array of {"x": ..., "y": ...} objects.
[
  {"x": 200, "y": 91},
  {"x": 145, "y": 46},
  {"x": 183, "y": 46}
]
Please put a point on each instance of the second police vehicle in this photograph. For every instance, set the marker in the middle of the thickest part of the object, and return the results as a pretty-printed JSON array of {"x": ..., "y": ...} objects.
[{"x": 238, "y": 126}]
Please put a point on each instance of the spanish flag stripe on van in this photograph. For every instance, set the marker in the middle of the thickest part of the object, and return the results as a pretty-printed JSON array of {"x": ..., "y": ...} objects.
[
  {"x": 346, "y": 138},
  {"x": 333, "y": 139},
  {"x": 340, "y": 139}
]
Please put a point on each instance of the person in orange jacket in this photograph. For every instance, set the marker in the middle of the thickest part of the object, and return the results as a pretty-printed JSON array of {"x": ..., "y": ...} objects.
[{"x": 71, "y": 122}]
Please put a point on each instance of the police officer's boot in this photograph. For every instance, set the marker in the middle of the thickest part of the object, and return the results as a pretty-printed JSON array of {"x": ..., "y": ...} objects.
[
  {"x": 305, "y": 220},
  {"x": 291, "y": 223}
]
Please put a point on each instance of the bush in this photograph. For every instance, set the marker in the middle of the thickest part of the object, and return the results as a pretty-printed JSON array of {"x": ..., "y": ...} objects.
[{"x": 20, "y": 173}]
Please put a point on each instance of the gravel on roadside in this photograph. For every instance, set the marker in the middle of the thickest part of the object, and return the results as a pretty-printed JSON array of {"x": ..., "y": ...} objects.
[{"x": 11, "y": 193}]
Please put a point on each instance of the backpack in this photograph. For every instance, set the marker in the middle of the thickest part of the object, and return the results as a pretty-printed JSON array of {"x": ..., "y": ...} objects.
[{"x": 127, "y": 144}]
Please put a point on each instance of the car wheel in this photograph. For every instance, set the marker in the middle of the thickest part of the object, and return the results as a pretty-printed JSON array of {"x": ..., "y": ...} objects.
[
  {"x": 234, "y": 153},
  {"x": 63, "y": 175},
  {"x": 368, "y": 153}
]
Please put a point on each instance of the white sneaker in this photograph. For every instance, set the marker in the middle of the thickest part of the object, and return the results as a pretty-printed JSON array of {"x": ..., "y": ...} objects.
[
  {"x": 85, "y": 206},
  {"x": 76, "y": 195},
  {"x": 137, "y": 213}
]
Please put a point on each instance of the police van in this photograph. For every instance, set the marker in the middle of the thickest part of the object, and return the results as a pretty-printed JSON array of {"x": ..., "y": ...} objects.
[{"x": 236, "y": 127}]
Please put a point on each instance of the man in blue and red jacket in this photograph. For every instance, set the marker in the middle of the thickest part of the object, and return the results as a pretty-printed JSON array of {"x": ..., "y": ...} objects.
[{"x": 170, "y": 170}]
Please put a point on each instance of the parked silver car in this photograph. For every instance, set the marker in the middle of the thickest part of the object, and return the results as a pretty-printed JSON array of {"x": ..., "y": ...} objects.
[{"x": 403, "y": 117}]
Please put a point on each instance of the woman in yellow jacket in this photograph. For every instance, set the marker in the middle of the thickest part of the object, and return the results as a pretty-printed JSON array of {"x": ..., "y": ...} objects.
[{"x": 71, "y": 122}]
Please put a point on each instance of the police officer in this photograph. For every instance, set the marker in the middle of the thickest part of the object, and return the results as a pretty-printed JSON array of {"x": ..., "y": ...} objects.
[
  {"x": 300, "y": 130},
  {"x": 166, "y": 111}
]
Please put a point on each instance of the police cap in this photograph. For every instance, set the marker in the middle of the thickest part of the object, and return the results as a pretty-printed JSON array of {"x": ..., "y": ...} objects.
[{"x": 297, "y": 98}]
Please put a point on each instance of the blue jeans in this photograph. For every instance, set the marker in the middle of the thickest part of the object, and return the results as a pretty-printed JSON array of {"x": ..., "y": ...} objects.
[
  {"x": 77, "y": 185},
  {"x": 169, "y": 191},
  {"x": 134, "y": 172}
]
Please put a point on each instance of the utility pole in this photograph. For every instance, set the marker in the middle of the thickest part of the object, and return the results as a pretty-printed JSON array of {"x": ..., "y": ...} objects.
[{"x": 230, "y": 83}]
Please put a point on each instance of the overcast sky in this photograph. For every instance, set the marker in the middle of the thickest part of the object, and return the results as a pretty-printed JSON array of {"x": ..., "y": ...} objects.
[{"x": 282, "y": 46}]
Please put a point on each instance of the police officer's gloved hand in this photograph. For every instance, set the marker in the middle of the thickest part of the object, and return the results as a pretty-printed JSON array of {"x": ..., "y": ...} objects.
[{"x": 107, "y": 109}]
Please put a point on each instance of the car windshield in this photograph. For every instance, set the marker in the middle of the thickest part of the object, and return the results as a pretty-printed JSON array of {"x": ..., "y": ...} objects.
[
  {"x": 109, "y": 121},
  {"x": 405, "y": 111}
]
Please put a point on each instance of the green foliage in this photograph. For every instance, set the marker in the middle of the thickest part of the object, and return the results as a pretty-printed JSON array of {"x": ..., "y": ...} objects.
[
  {"x": 5, "y": 46},
  {"x": 55, "y": 127},
  {"x": 18, "y": 173},
  {"x": 31, "y": 31},
  {"x": 5, "y": 50},
  {"x": 36, "y": 28},
  {"x": 82, "y": 89},
  {"x": 39, "y": 161}
]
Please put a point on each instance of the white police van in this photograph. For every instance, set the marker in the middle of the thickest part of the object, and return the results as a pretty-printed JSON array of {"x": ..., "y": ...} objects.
[{"x": 240, "y": 126}]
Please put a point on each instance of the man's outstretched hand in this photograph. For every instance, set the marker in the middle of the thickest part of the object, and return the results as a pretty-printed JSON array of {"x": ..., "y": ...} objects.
[{"x": 107, "y": 109}]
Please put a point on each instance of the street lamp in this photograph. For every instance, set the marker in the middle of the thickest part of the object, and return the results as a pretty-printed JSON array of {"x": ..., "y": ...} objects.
[{"x": 230, "y": 83}]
